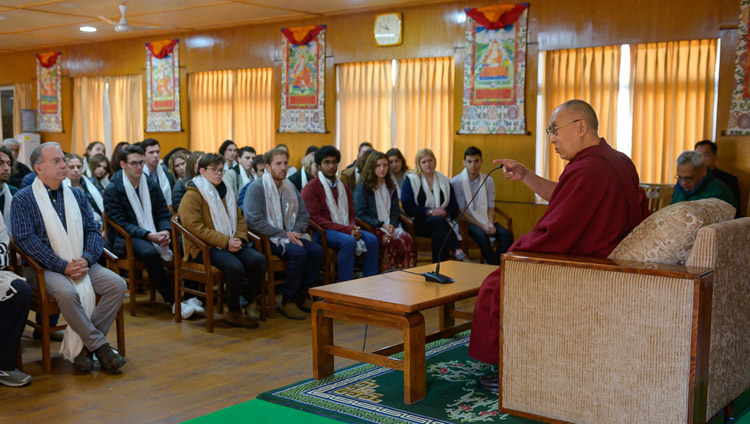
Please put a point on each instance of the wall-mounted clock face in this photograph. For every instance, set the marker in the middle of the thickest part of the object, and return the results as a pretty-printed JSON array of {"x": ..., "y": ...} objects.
[{"x": 388, "y": 29}]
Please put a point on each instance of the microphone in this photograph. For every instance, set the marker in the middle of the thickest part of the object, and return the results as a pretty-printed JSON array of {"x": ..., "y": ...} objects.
[{"x": 437, "y": 277}]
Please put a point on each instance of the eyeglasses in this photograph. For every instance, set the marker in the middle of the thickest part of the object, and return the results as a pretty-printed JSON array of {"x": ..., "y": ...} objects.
[
  {"x": 136, "y": 163},
  {"x": 686, "y": 180},
  {"x": 215, "y": 170},
  {"x": 551, "y": 131}
]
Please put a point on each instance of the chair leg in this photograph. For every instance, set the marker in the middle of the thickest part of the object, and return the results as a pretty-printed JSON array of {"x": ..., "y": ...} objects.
[
  {"x": 263, "y": 299},
  {"x": 209, "y": 307},
  {"x": 46, "y": 360},
  {"x": 177, "y": 299},
  {"x": 131, "y": 287},
  {"x": 121, "y": 332},
  {"x": 272, "y": 295}
]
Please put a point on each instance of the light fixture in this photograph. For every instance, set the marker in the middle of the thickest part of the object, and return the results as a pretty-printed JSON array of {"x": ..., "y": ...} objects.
[
  {"x": 87, "y": 28},
  {"x": 461, "y": 17}
]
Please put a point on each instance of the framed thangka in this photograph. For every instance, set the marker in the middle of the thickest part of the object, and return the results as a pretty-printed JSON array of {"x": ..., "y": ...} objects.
[
  {"x": 303, "y": 79},
  {"x": 49, "y": 110},
  {"x": 163, "y": 86},
  {"x": 739, "y": 112},
  {"x": 495, "y": 70}
]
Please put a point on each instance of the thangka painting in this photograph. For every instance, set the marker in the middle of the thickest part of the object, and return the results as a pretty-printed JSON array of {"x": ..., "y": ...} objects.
[
  {"x": 303, "y": 79},
  {"x": 163, "y": 86},
  {"x": 49, "y": 109},
  {"x": 739, "y": 112},
  {"x": 495, "y": 70}
]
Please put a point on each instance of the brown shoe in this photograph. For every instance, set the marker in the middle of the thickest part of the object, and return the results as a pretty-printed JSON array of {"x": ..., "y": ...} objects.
[
  {"x": 305, "y": 304},
  {"x": 238, "y": 319},
  {"x": 291, "y": 311}
]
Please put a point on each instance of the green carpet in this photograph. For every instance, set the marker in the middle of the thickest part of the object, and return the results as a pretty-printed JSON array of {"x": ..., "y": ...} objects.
[{"x": 258, "y": 411}]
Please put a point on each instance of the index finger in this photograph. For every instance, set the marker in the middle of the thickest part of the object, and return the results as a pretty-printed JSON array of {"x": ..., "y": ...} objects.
[{"x": 504, "y": 162}]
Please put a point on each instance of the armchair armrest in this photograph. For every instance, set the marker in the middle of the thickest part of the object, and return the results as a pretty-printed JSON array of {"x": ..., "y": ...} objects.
[
  {"x": 18, "y": 267},
  {"x": 313, "y": 228},
  {"x": 261, "y": 242},
  {"x": 409, "y": 224},
  {"x": 362, "y": 224},
  {"x": 108, "y": 222},
  {"x": 198, "y": 242},
  {"x": 506, "y": 217}
]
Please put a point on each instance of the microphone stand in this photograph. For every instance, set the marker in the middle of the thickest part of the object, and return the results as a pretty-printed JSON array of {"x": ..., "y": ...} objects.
[{"x": 436, "y": 276}]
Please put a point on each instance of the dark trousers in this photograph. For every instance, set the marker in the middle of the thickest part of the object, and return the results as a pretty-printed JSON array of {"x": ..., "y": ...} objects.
[
  {"x": 146, "y": 252},
  {"x": 245, "y": 263},
  {"x": 504, "y": 240},
  {"x": 436, "y": 228},
  {"x": 13, "y": 313},
  {"x": 303, "y": 265}
]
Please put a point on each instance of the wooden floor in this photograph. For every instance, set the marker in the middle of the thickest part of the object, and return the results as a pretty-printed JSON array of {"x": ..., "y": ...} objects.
[{"x": 179, "y": 371}]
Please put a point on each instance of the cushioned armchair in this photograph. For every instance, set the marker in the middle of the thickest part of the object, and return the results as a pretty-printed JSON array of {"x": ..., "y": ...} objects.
[{"x": 620, "y": 341}]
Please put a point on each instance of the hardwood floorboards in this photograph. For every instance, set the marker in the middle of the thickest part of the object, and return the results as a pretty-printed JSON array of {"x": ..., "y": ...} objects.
[{"x": 176, "y": 372}]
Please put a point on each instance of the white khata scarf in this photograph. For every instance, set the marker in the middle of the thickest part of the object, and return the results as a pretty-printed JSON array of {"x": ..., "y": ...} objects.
[
  {"x": 303, "y": 180},
  {"x": 68, "y": 245},
  {"x": 339, "y": 208},
  {"x": 94, "y": 192},
  {"x": 223, "y": 217},
  {"x": 163, "y": 182},
  {"x": 481, "y": 202},
  {"x": 6, "y": 206},
  {"x": 383, "y": 203},
  {"x": 85, "y": 166},
  {"x": 6, "y": 277},
  {"x": 142, "y": 209},
  {"x": 439, "y": 183},
  {"x": 281, "y": 207},
  {"x": 396, "y": 183},
  {"x": 243, "y": 176}
]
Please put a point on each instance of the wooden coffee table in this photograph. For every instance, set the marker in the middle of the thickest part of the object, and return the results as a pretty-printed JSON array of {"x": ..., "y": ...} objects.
[{"x": 394, "y": 300}]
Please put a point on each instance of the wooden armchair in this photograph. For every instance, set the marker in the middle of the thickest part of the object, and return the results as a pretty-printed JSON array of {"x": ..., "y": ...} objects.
[
  {"x": 469, "y": 246},
  {"x": 658, "y": 195},
  {"x": 204, "y": 274},
  {"x": 330, "y": 256},
  {"x": 45, "y": 305},
  {"x": 423, "y": 244},
  {"x": 274, "y": 264}
]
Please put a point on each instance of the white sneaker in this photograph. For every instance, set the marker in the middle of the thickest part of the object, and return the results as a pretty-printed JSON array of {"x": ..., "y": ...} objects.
[
  {"x": 197, "y": 305},
  {"x": 253, "y": 312},
  {"x": 186, "y": 310}
]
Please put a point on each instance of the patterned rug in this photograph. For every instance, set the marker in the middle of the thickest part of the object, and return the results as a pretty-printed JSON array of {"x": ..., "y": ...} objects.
[{"x": 367, "y": 393}]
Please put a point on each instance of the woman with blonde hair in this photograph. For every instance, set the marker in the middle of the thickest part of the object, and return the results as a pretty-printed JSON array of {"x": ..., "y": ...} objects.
[
  {"x": 178, "y": 164},
  {"x": 427, "y": 198},
  {"x": 376, "y": 203},
  {"x": 94, "y": 148}
]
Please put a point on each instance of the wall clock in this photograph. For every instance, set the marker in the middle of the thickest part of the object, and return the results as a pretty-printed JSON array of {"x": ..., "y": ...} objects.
[{"x": 388, "y": 29}]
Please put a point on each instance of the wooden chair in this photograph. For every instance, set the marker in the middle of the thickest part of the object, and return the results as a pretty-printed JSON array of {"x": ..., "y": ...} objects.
[
  {"x": 330, "y": 256},
  {"x": 131, "y": 264},
  {"x": 274, "y": 264},
  {"x": 469, "y": 246},
  {"x": 45, "y": 305},
  {"x": 658, "y": 195},
  {"x": 204, "y": 274},
  {"x": 423, "y": 244},
  {"x": 370, "y": 229}
]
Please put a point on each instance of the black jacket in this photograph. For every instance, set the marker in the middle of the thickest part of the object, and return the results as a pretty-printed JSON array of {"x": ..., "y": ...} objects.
[
  {"x": 117, "y": 207},
  {"x": 367, "y": 210},
  {"x": 296, "y": 179},
  {"x": 178, "y": 192}
]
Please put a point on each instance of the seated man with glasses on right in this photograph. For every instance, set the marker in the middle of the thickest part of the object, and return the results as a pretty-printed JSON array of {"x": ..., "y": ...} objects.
[{"x": 695, "y": 181}]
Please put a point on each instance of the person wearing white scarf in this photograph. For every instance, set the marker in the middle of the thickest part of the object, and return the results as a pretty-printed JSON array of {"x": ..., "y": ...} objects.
[
  {"x": 480, "y": 217},
  {"x": 136, "y": 204},
  {"x": 209, "y": 211},
  {"x": 7, "y": 198},
  {"x": 242, "y": 174},
  {"x": 76, "y": 180},
  {"x": 53, "y": 224},
  {"x": 275, "y": 209},
  {"x": 330, "y": 204},
  {"x": 155, "y": 171},
  {"x": 428, "y": 200}
]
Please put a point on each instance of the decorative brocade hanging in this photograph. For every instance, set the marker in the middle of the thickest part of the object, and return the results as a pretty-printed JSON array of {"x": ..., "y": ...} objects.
[
  {"x": 49, "y": 110},
  {"x": 303, "y": 79},
  {"x": 495, "y": 70},
  {"x": 163, "y": 86},
  {"x": 739, "y": 112}
]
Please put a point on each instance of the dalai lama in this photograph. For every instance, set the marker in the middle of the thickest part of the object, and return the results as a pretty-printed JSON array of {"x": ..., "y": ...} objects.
[{"x": 594, "y": 206}]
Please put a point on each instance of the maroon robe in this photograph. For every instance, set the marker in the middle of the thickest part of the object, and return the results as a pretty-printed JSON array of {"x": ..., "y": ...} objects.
[{"x": 597, "y": 202}]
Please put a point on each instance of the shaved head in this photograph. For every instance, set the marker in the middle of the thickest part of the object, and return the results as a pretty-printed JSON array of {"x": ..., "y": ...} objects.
[{"x": 582, "y": 109}]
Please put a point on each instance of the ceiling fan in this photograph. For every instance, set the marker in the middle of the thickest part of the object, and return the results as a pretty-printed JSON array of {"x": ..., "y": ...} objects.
[{"x": 124, "y": 26}]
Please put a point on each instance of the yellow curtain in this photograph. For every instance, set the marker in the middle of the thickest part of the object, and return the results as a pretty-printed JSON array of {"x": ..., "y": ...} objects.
[
  {"x": 365, "y": 102},
  {"x": 235, "y": 105},
  {"x": 253, "y": 109},
  {"x": 672, "y": 88},
  {"x": 21, "y": 100},
  {"x": 88, "y": 112},
  {"x": 590, "y": 74},
  {"x": 126, "y": 108},
  {"x": 424, "y": 109}
]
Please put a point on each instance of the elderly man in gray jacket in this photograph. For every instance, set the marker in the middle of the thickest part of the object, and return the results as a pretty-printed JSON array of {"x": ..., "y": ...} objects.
[{"x": 273, "y": 207}]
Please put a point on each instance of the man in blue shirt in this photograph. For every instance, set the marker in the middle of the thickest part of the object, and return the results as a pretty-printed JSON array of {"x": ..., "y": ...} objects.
[{"x": 31, "y": 235}]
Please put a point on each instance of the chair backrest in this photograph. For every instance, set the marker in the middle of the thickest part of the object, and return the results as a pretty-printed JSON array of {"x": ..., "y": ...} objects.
[
  {"x": 177, "y": 230},
  {"x": 658, "y": 195}
]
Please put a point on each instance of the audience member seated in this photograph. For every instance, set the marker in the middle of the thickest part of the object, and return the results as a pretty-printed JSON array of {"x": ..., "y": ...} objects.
[
  {"x": 275, "y": 209},
  {"x": 114, "y": 162},
  {"x": 376, "y": 203},
  {"x": 259, "y": 167},
  {"x": 168, "y": 157},
  {"x": 94, "y": 148},
  {"x": 53, "y": 224},
  {"x": 191, "y": 170},
  {"x": 481, "y": 224},
  {"x": 351, "y": 176},
  {"x": 290, "y": 169},
  {"x": 19, "y": 170},
  {"x": 398, "y": 168},
  {"x": 228, "y": 150},
  {"x": 428, "y": 199},
  {"x": 709, "y": 150},
  {"x": 27, "y": 180},
  {"x": 242, "y": 174},
  {"x": 100, "y": 171},
  {"x": 154, "y": 172},
  {"x": 6, "y": 190},
  {"x": 306, "y": 173},
  {"x": 330, "y": 204},
  {"x": 363, "y": 147},
  {"x": 177, "y": 164},
  {"x": 209, "y": 211},
  {"x": 76, "y": 179},
  {"x": 136, "y": 204},
  {"x": 695, "y": 181}
]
